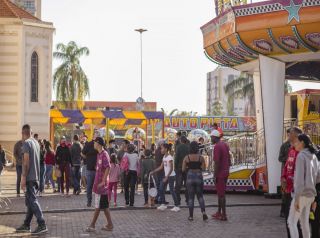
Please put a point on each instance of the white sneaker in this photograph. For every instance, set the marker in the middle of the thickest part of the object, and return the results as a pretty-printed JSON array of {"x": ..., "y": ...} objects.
[
  {"x": 162, "y": 207},
  {"x": 176, "y": 209}
]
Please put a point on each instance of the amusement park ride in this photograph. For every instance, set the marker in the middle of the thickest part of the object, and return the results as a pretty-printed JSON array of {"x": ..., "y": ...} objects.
[{"x": 273, "y": 41}]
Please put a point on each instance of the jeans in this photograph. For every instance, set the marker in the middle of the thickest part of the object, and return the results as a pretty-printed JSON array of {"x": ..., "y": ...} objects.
[
  {"x": 287, "y": 204},
  {"x": 302, "y": 215},
  {"x": 112, "y": 186},
  {"x": 19, "y": 172},
  {"x": 195, "y": 187},
  {"x": 130, "y": 181},
  {"x": 49, "y": 178},
  {"x": 90, "y": 180},
  {"x": 181, "y": 179},
  {"x": 163, "y": 186},
  {"x": 42, "y": 177},
  {"x": 76, "y": 178},
  {"x": 65, "y": 175},
  {"x": 315, "y": 224},
  {"x": 159, "y": 183},
  {"x": 33, "y": 206}
]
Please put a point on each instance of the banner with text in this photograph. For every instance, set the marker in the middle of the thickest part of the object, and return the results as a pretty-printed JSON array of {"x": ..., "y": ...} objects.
[{"x": 206, "y": 123}]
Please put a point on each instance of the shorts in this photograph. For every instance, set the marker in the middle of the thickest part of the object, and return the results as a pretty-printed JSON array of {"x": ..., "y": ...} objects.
[
  {"x": 101, "y": 201},
  {"x": 221, "y": 184}
]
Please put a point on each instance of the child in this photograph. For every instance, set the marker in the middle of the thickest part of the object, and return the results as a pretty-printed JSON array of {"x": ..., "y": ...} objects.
[
  {"x": 100, "y": 187},
  {"x": 114, "y": 178},
  {"x": 170, "y": 175},
  {"x": 147, "y": 165}
]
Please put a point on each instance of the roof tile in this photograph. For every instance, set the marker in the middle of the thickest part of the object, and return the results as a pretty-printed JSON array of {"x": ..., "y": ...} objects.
[{"x": 10, "y": 10}]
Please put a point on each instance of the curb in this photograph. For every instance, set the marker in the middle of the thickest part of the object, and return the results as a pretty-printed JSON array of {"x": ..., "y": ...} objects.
[{"x": 139, "y": 208}]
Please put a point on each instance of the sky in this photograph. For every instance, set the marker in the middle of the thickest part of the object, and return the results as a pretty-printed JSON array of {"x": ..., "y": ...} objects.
[{"x": 174, "y": 65}]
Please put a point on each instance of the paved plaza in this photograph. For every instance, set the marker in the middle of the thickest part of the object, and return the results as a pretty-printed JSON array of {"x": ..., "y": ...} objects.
[{"x": 249, "y": 216}]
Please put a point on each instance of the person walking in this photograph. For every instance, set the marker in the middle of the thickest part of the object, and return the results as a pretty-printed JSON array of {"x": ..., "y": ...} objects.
[
  {"x": 114, "y": 178},
  {"x": 160, "y": 174},
  {"x": 167, "y": 166},
  {"x": 122, "y": 151},
  {"x": 42, "y": 167},
  {"x": 131, "y": 175},
  {"x": 49, "y": 163},
  {"x": 90, "y": 155},
  {"x": 3, "y": 159},
  {"x": 75, "y": 152},
  {"x": 148, "y": 164},
  {"x": 63, "y": 160},
  {"x": 100, "y": 187},
  {"x": 30, "y": 183},
  {"x": 182, "y": 151},
  {"x": 283, "y": 156},
  {"x": 221, "y": 157},
  {"x": 17, "y": 152},
  {"x": 307, "y": 175},
  {"x": 288, "y": 172},
  {"x": 83, "y": 165},
  {"x": 193, "y": 164}
]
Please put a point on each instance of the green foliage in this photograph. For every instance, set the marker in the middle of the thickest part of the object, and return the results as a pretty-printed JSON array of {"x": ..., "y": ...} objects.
[
  {"x": 217, "y": 109},
  {"x": 70, "y": 82}
]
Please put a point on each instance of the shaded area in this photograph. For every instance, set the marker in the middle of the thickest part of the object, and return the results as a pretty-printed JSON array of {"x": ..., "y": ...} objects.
[{"x": 307, "y": 70}]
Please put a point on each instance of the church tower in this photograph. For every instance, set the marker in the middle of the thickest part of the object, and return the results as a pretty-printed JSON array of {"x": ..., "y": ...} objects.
[{"x": 31, "y": 6}]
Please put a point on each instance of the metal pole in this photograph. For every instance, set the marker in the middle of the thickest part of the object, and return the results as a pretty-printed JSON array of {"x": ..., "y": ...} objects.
[{"x": 141, "y": 60}]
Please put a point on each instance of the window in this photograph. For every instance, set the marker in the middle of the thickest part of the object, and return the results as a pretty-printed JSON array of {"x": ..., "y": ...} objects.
[{"x": 34, "y": 77}]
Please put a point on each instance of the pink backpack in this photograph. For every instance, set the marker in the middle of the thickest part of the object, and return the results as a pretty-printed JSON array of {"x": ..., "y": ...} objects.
[{"x": 124, "y": 165}]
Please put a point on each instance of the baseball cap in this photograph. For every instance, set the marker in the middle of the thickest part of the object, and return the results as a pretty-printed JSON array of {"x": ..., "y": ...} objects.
[
  {"x": 100, "y": 141},
  {"x": 215, "y": 133}
]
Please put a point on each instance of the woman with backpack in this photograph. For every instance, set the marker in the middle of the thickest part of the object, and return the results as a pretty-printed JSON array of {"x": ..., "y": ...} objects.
[
  {"x": 305, "y": 180},
  {"x": 130, "y": 167}
]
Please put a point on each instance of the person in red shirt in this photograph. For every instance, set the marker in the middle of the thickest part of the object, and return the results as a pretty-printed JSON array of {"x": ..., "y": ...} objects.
[
  {"x": 221, "y": 157},
  {"x": 49, "y": 163},
  {"x": 288, "y": 174}
]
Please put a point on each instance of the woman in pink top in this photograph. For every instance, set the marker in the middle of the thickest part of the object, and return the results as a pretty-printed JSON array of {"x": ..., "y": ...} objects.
[{"x": 114, "y": 177}]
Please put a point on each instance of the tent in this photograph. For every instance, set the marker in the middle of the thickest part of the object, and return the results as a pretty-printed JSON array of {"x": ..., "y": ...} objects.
[{"x": 106, "y": 118}]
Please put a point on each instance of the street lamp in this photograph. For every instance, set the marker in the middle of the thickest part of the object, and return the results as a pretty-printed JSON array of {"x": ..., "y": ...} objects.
[{"x": 140, "y": 100}]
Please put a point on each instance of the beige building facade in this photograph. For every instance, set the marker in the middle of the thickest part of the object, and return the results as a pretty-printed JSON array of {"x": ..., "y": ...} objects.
[{"x": 25, "y": 73}]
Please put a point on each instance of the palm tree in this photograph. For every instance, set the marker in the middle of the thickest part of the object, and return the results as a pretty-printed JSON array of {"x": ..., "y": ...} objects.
[
  {"x": 70, "y": 82},
  {"x": 217, "y": 108},
  {"x": 243, "y": 87}
]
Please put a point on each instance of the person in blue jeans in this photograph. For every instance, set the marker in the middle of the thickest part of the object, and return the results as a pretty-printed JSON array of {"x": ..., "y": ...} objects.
[
  {"x": 90, "y": 155},
  {"x": 169, "y": 178},
  {"x": 30, "y": 183},
  {"x": 75, "y": 150},
  {"x": 193, "y": 164},
  {"x": 17, "y": 152}
]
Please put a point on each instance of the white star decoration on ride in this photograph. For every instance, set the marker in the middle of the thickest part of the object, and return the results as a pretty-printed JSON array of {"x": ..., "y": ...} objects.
[{"x": 293, "y": 11}]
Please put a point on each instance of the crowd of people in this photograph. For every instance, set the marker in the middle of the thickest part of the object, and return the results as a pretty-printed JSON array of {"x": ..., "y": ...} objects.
[
  {"x": 300, "y": 182},
  {"x": 101, "y": 168}
]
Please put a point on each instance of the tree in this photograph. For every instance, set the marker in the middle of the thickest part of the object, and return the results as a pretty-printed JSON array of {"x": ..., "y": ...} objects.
[
  {"x": 287, "y": 87},
  {"x": 217, "y": 109},
  {"x": 243, "y": 87},
  {"x": 70, "y": 82}
]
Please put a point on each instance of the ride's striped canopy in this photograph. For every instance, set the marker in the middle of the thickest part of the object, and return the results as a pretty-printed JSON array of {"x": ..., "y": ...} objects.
[{"x": 116, "y": 118}]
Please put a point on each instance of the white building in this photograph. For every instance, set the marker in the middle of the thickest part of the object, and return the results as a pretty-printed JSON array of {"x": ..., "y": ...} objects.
[
  {"x": 216, "y": 83},
  {"x": 25, "y": 73}
]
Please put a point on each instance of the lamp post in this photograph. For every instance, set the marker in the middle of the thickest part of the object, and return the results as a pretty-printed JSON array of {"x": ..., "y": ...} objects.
[{"x": 141, "y": 30}]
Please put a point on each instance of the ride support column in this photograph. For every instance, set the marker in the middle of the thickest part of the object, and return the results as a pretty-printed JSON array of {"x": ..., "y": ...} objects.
[{"x": 269, "y": 95}]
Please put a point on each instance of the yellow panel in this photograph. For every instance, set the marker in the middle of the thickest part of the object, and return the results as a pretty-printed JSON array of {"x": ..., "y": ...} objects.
[
  {"x": 242, "y": 174},
  {"x": 87, "y": 121},
  {"x": 60, "y": 120},
  {"x": 133, "y": 115},
  {"x": 117, "y": 122},
  {"x": 92, "y": 114},
  {"x": 56, "y": 114}
]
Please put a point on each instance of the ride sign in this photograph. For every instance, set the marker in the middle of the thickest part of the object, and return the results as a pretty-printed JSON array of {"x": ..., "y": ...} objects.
[{"x": 206, "y": 123}]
